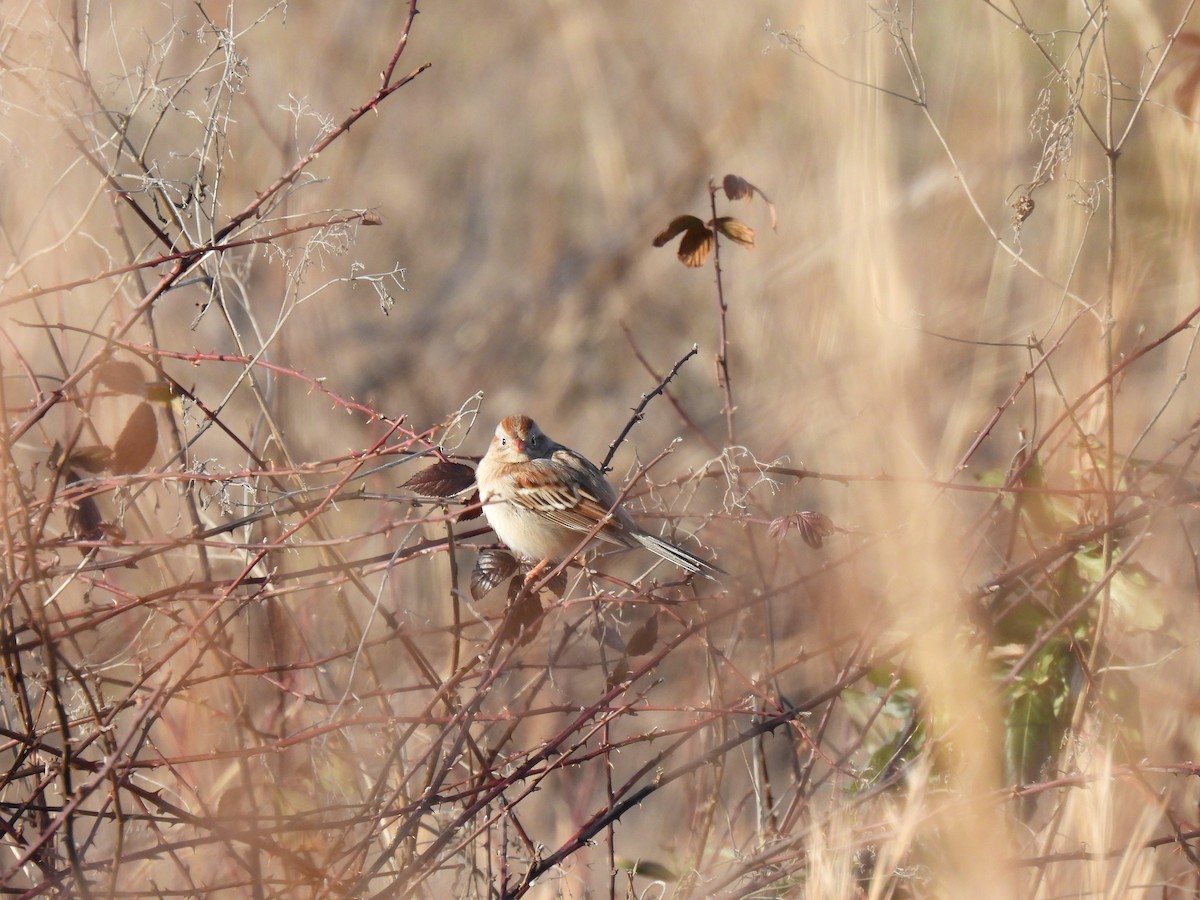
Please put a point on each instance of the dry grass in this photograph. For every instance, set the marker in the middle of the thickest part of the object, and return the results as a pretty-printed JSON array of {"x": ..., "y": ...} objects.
[{"x": 242, "y": 658}]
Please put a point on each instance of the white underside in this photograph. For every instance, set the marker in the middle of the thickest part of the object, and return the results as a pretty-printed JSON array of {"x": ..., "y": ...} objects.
[{"x": 530, "y": 534}]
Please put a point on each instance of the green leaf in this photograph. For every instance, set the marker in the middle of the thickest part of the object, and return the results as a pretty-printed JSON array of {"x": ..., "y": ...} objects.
[
  {"x": 883, "y": 676},
  {"x": 1022, "y": 622},
  {"x": 903, "y": 746},
  {"x": 647, "y": 869},
  {"x": 1037, "y": 712},
  {"x": 996, "y": 478},
  {"x": 1027, "y": 733},
  {"x": 1137, "y": 601},
  {"x": 1046, "y": 514},
  {"x": 1123, "y": 701}
]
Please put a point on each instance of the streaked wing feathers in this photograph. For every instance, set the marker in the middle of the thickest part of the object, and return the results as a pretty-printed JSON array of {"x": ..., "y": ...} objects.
[{"x": 565, "y": 501}]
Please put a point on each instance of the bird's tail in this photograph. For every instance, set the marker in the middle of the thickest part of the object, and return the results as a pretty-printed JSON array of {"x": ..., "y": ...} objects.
[{"x": 680, "y": 557}]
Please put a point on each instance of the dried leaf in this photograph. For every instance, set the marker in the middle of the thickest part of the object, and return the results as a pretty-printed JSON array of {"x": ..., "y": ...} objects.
[
  {"x": 678, "y": 225},
  {"x": 737, "y": 188},
  {"x": 814, "y": 527},
  {"x": 619, "y": 675},
  {"x": 696, "y": 243},
  {"x": 112, "y": 533},
  {"x": 234, "y": 803},
  {"x": 135, "y": 447},
  {"x": 371, "y": 218},
  {"x": 442, "y": 479},
  {"x": 695, "y": 246},
  {"x": 771, "y": 210},
  {"x": 736, "y": 230},
  {"x": 84, "y": 522},
  {"x": 1022, "y": 209},
  {"x": 1188, "y": 45},
  {"x": 523, "y": 619},
  {"x": 473, "y": 510},
  {"x": 644, "y": 639},
  {"x": 558, "y": 585},
  {"x": 491, "y": 568},
  {"x": 159, "y": 392},
  {"x": 608, "y": 634},
  {"x": 779, "y": 528},
  {"x": 122, "y": 377},
  {"x": 93, "y": 458}
]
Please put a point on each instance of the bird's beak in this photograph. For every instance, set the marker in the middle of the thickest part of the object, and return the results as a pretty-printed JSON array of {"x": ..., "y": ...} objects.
[{"x": 518, "y": 445}]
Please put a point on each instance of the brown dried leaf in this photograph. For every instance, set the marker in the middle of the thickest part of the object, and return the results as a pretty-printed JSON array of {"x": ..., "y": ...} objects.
[
  {"x": 135, "y": 447},
  {"x": 737, "y": 187},
  {"x": 736, "y": 230},
  {"x": 814, "y": 527},
  {"x": 1185, "y": 93},
  {"x": 609, "y": 635},
  {"x": 491, "y": 568},
  {"x": 678, "y": 225},
  {"x": 1188, "y": 45},
  {"x": 113, "y": 533},
  {"x": 372, "y": 218},
  {"x": 122, "y": 377},
  {"x": 619, "y": 674},
  {"x": 442, "y": 479},
  {"x": 1022, "y": 209},
  {"x": 93, "y": 458},
  {"x": 771, "y": 210},
  {"x": 84, "y": 522},
  {"x": 644, "y": 639},
  {"x": 473, "y": 510},
  {"x": 695, "y": 246},
  {"x": 558, "y": 585},
  {"x": 696, "y": 243},
  {"x": 523, "y": 619}
]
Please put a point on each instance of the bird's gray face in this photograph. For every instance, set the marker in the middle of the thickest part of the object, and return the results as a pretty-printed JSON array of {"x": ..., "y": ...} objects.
[{"x": 537, "y": 445}]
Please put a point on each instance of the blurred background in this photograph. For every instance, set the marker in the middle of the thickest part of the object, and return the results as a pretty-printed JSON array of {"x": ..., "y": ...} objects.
[
  {"x": 898, "y": 311},
  {"x": 521, "y": 179}
]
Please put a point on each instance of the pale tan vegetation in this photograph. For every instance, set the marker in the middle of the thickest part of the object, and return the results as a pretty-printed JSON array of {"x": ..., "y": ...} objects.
[{"x": 271, "y": 273}]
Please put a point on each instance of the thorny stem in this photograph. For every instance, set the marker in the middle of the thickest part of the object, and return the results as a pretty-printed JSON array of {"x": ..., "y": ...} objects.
[
  {"x": 1109, "y": 324},
  {"x": 639, "y": 410},
  {"x": 723, "y": 338}
]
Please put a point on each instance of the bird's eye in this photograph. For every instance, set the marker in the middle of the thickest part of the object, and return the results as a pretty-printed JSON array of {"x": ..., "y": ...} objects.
[
  {"x": 534, "y": 440},
  {"x": 503, "y": 441}
]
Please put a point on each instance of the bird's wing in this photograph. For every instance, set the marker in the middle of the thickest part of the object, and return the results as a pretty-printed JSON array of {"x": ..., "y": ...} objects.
[{"x": 570, "y": 491}]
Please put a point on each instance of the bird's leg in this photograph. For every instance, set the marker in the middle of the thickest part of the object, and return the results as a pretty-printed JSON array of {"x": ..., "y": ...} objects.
[{"x": 535, "y": 572}]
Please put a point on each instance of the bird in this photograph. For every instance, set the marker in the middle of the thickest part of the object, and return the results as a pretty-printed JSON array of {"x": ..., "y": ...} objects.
[{"x": 542, "y": 499}]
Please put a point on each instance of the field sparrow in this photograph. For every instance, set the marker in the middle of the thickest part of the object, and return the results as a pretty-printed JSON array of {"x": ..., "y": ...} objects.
[{"x": 541, "y": 499}]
